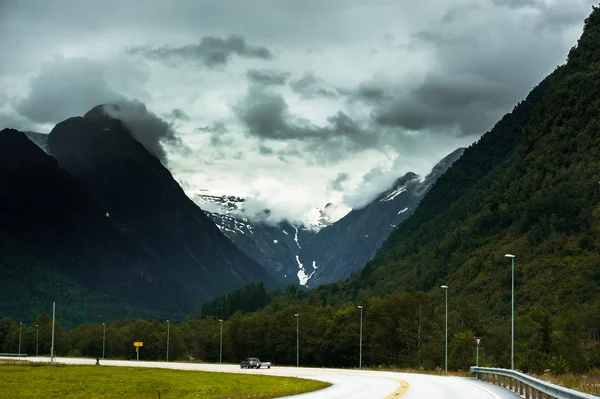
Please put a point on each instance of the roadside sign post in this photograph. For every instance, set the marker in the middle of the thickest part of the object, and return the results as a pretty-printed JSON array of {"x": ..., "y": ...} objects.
[
  {"x": 477, "y": 343},
  {"x": 137, "y": 345}
]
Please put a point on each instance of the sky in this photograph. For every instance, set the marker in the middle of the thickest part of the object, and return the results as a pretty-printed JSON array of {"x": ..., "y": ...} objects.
[{"x": 294, "y": 103}]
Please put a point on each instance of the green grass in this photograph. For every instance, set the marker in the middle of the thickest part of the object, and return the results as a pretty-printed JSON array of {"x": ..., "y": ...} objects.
[{"x": 31, "y": 380}]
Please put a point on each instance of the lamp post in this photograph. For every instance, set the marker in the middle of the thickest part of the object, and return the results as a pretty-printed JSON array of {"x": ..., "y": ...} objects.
[
  {"x": 52, "y": 351},
  {"x": 512, "y": 328},
  {"x": 297, "y": 341},
  {"x": 221, "y": 343},
  {"x": 445, "y": 287},
  {"x": 37, "y": 340},
  {"x": 360, "y": 346},
  {"x": 168, "y": 333},
  {"x": 20, "y": 326},
  {"x": 103, "y": 339}
]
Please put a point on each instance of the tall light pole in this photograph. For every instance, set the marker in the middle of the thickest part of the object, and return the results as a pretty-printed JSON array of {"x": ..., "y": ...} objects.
[
  {"x": 297, "y": 341},
  {"x": 103, "y": 339},
  {"x": 360, "y": 346},
  {"x": 37, "y": 340},
  {"x": 512, "y": 328},
  {"x": 168, "y": 333},
  {"x": 445, "y": 287},
  {"x": 52, "y": 345},
  {"x": 221, "y": 343},
  {"x": 20, "y": 326}
]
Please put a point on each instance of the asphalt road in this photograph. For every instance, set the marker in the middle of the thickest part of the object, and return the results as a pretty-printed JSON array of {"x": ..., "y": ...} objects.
[{"x": 347, "y": 384}]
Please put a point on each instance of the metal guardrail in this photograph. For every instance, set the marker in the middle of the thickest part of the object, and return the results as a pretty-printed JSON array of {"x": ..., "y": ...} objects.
[
  {"x": 526, "y": 385},
  {"x": 13, "y": 354}
]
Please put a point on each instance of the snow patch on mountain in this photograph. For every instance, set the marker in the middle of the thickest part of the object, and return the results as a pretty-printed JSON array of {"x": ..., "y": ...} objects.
[
  {"x": 296, "y": 237},
  {"x": 394, "y": 194},
  {"x": 302, "y": 276}
]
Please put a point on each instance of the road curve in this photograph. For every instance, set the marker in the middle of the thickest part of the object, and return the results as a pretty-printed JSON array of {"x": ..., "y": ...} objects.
[{"x": 347, "y": 384}]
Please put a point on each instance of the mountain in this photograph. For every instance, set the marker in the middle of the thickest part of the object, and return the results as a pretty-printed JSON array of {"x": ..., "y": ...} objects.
[
  {"x": 327, "y": 251},
  {"x": 40, "y": 139},
  {"x": 345, "y": 246},
  {"x": 140, "y": 194},
  {"x": 276, "y": 247},
  {"x": 105, "y": 215},
  {"x": 529, "y": 187},
  {"x": 58, "y": 243}
]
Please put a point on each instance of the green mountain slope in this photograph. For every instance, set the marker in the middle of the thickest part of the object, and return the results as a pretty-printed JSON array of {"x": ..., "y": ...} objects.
[{"x": 541, "y": 201}]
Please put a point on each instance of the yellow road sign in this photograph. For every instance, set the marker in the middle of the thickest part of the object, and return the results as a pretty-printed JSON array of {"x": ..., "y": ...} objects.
[{"x": 138, "y": 343}]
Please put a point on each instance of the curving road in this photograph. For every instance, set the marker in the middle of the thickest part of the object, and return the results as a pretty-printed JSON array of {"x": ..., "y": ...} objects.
[{"x": 347, "y": 384}]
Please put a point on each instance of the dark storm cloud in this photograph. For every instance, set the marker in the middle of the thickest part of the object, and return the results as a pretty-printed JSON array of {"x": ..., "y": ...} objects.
[
  {"x": 267, "y": 77},
  {"x": 266, "y": 115},
  {"x": 66, "y": 88},
  {"x": 479, "y": 78},
  {"x": 442, "y": 102},
  {"x": 337, "y": 184},
  {"x": 147, "y": 128},
  {"x": 212, "y": 52},
  {"x": 310, "y": 86}
]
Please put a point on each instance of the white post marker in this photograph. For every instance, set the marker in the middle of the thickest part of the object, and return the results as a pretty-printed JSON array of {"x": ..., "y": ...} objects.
[{"x": 478, "y": 344}]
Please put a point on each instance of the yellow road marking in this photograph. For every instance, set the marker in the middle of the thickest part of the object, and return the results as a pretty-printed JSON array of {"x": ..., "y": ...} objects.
[{"x": 400, "y": 391}]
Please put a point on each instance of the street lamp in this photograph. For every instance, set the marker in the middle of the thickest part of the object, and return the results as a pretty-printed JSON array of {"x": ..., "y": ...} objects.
[
  {"x": 168, "y": 333},
  {"x": 37, "y": 340},
  {"x": 297, "y": 342},
  {"x": 103, "y": 339},
  {"x": 445, "y": 287},
  {"x": 512, "y": 329},
  {"x": 360, "y": 347},
  {"x": 20, "y": 325},
  {"x": 221, "y": 343}
]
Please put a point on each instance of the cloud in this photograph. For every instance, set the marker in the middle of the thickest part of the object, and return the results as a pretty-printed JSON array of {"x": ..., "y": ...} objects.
[
  {"x": 265, "y": 150},
  {"x": 211, "y": 52},
  {"x": 468, "y": 104},
  {"x": 267, "y": 77},
  {"x": 66, "y": 87},
  {"x": 266, "y": 116},
  {"x": 15, "y": 121},
  {"x": 310, "y": 86},
  {"x": 338, "y": 183},
  {"x": 150, "y": 130},
  {"x": 177, "y": 114}
]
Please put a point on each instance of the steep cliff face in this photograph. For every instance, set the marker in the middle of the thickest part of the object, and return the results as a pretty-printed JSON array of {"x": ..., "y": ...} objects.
[{"x": 142, "y": 197}]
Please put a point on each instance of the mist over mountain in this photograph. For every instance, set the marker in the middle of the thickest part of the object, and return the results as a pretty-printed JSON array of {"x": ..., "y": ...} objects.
[{"x": 324, "y": 251}]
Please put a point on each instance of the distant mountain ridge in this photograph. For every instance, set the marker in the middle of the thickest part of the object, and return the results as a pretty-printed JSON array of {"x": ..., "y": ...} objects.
[{"x": 326, "y": 252}]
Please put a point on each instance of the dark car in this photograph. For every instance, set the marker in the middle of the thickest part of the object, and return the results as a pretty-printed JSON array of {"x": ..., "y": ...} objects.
[{"x": 253, "y": 363}]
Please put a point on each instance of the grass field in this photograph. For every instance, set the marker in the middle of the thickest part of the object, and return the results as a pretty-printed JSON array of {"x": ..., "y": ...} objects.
[{"x": 35, "y": 380}]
